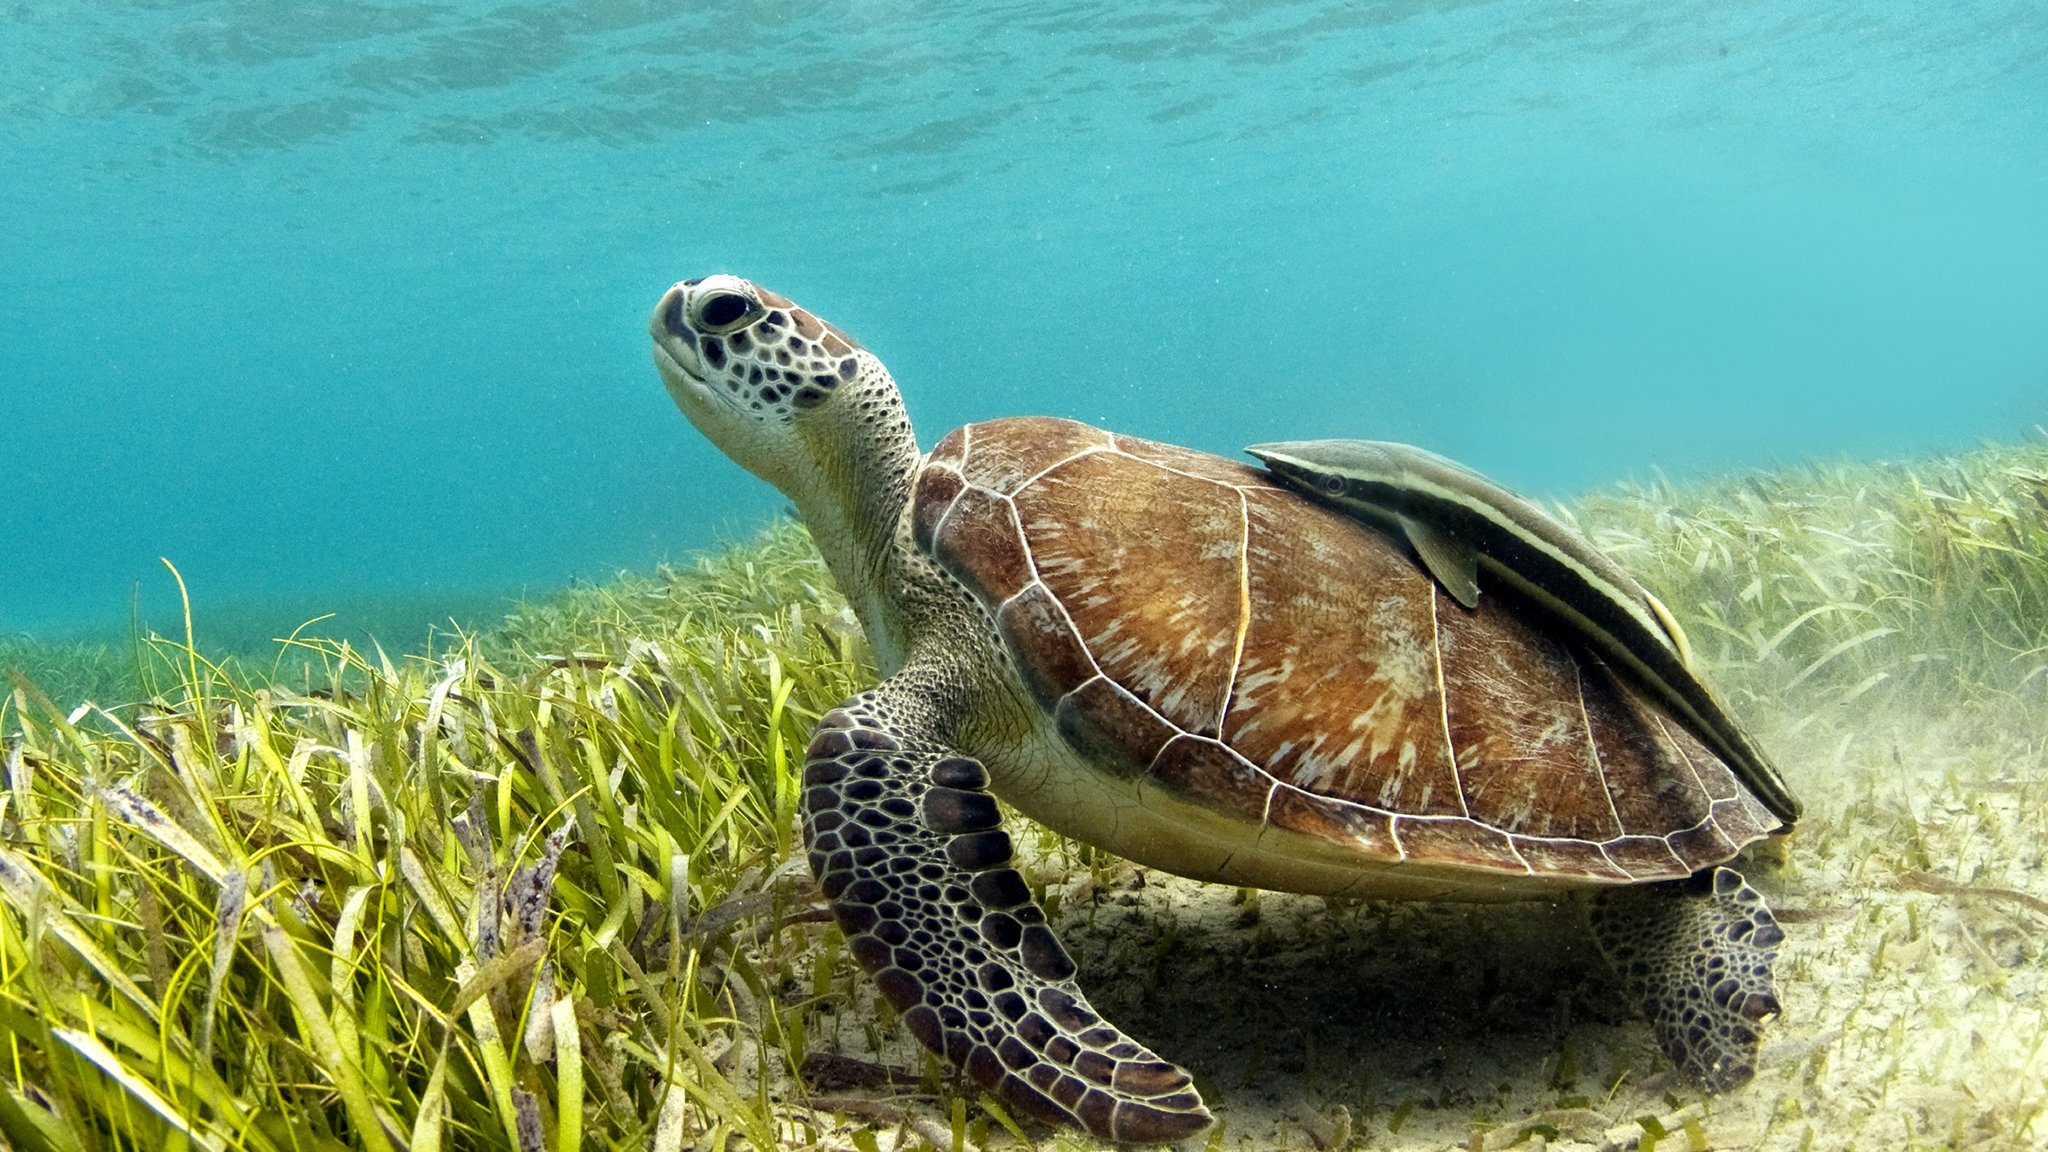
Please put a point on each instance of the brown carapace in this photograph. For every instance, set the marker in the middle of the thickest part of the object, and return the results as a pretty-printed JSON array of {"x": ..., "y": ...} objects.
[{"x": 1188, "y": 619}]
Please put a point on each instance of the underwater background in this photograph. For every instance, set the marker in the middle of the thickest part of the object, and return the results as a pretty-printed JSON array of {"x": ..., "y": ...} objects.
[
  {"x": 341, "y": 308},
  {"x": 340, "y": 305}
]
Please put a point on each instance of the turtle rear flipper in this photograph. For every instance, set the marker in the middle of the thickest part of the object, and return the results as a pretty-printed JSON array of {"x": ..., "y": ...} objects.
[
  {"x": 1696, "y": 956},
  {"x": 906, "y": 842}
]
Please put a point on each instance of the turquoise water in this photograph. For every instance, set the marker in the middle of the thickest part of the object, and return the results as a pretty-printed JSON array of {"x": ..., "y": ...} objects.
[{"x": 344, "y": 302}]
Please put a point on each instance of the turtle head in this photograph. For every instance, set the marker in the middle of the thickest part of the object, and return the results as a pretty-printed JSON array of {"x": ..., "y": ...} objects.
[
  {"x": 800, "y": 404},
  {"x": 772, "y": 385}
]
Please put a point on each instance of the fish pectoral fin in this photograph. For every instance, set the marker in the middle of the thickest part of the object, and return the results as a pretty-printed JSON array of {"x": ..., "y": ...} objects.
[{"x": 1454, "y": 562}]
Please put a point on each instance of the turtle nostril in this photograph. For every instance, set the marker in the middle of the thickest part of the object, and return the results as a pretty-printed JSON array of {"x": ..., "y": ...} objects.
[{"x": 672, "y": 312}]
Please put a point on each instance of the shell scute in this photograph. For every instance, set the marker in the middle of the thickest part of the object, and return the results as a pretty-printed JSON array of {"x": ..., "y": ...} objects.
[
  {"x": 1337, "y": 690},
  {"x": 980, "y": 541},
  {"x": 1744, "y": 818},
  {"x": 1524, "y": 760},
  {"x": 1702, "y": 845},
  {"x": 1050, "y": 657},
  {"x": 1214, "y": 469},
  {"x": 1646, "y": 858},
  {"x": 1653, "y": 789},
  {"x": 952, "y": 447},
  {"x": 1467, "y": 843},
  {"x": 1568, "y": 857},
  {"x": 1025, "y": 447},
  {"x": 1370, "y": 831},
  {"x": 1114, "y": 727},
  {"x": 1145, "y": 563},
  {"x": 1207, "y": 773},
  {"x": 1714, "y": 776},
  {"x": 1738, "y": 813},
  {"x": 937, "y": 488}
]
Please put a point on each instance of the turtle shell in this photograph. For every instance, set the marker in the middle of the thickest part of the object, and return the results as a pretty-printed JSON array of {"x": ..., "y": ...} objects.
[{"x": 1187, "y": 620}]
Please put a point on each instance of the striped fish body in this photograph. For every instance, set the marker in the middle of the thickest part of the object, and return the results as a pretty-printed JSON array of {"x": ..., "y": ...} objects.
[{"x": 1461, "y": 525}]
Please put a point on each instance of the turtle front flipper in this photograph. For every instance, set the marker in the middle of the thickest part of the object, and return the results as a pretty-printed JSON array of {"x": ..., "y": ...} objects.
[
  {"x": 906, "y": 842},
  {"x": 1696, "y": 956}
]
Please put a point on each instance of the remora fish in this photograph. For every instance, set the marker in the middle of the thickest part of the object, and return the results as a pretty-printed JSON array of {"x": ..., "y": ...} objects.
[{"x": 1459, "y": 522}]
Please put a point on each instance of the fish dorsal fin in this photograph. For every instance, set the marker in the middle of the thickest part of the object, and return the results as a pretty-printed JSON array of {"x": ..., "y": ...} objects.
[{"x": 1454, "y": 562}]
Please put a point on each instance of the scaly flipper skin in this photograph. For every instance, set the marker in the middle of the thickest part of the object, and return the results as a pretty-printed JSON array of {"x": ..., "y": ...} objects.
[
  {"x": 1696, "y": 956},
  {"x": 905, "y": 840}
]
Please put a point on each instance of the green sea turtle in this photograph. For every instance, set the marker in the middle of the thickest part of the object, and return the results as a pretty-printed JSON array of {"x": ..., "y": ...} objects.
[{"x": 1181, "y": 659}]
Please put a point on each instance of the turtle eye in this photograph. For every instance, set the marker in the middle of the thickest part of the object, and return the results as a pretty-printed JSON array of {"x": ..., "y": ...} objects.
[{"x": 723, "y": 312}]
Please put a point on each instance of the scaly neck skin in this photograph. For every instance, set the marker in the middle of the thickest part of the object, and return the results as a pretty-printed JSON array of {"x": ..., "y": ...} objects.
[{"x": 853, "y": 499}]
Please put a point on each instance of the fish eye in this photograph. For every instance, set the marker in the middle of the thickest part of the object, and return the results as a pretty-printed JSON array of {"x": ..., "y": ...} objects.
[
  {"x": 723, "y": 312},
  {"x": 1334, "y": 485}
]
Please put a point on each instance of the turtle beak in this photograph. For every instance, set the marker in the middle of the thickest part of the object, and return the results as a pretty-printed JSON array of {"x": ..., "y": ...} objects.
[{"x": 675, "y": 343}]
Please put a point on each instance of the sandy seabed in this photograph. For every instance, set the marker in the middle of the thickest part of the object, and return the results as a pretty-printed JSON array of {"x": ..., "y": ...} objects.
[{"x": 1914, "y": 981}]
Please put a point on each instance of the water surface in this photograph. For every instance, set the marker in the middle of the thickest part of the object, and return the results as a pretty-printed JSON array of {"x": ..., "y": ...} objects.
[{"x": 344, "y": 301}]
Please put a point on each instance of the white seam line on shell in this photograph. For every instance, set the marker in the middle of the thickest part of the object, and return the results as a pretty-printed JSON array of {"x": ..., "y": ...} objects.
[
  {"x": 1114, "y": 686},
  {"x": 1345, "y": 805},
  {"x": 1062, "y": 462},
  {"x": 1244, "y": 613},
  {"x": 1030, "y": 557},
  {"x": 1443, "y": 706},
  {"x": 1273, "y": 784},
  {"x": 1177, "y": 472},
  {"x": 1076, "y": 630},
  {"x": 1564, "y": 840},
  {"x": 1519, "y": 858},
  {"x": 939, "y": 529},
  {"x": 1006, "y": 601},
  {"x": 1693, "y": 828},
  {"x": 1180, "y": 472},
  {"x": 1071, "y": 626},
  {"x": 1611, "y": 861},
  {"x": 1038, "y": 578},
  {"x": 1684, "y": 869},
  {"x": 1685, "y": 758},
  {"x": 1342, "y": 805},
  {"x": 1593, "y": 746},
  {"x": 1527, "y": 870},
  {"x": 1017, "y": 523},
  {"x": 958, "y": 466}
]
